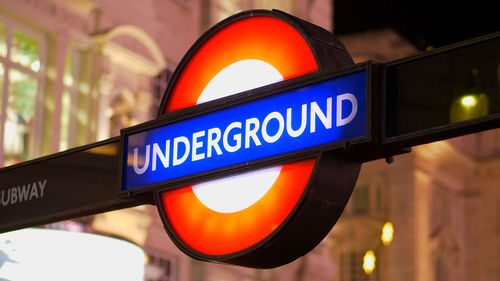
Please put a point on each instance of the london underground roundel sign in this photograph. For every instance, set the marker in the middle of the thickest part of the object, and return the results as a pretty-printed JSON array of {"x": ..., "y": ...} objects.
[{"x": 271, "y": 216}]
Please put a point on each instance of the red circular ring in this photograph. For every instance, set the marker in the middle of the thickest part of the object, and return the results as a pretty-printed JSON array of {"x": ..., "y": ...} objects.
[{"x": 276, "y": 42}]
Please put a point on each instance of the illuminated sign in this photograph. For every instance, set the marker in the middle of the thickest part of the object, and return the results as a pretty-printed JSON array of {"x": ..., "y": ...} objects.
[
  {"x": 246, "y": 51},
  {"x": 316, "y": 115},
  {"x": 241, "y": 209}
]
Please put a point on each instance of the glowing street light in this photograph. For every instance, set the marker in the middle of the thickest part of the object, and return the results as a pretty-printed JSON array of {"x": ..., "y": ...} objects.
[
  {"x": 387, "y": 233},
  {"x": 468, "y": 101},
  {"x": 369, "y": 262}
]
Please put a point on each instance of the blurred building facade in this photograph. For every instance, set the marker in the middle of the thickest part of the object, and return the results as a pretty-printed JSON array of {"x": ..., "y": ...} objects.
[
  {"x": 440, "y": 198},
  {"x": 75, "y": 72}
]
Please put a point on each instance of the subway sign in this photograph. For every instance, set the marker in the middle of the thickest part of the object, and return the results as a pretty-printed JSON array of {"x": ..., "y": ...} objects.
[
  {"x": 245, "y": 174},
  {"x": 311, "y": 117}
]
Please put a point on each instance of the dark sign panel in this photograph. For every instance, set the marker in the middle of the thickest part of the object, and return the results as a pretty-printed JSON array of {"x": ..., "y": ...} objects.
[
  {"x": 445, "y": 93},
  {"x": 79, "y": 182}
]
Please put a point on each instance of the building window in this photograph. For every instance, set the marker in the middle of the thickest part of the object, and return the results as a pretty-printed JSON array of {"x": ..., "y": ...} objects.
[
  {"x": 351, "y": 267},
  {"x": 440, "y": 215},
  {"x": 69, "y": 100},
  {"x": 22, "y": 56},
  {"x": 379, "y": 198},
  {"x": 361, "y": 199},
  {"x": 160, "y": 267},
  {"x": 3, "y": 40},
  {"x": 369, "y": 198}
]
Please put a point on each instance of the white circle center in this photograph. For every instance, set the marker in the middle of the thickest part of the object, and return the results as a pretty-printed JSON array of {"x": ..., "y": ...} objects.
[
  {"x": 236, "y": 193},
  {"x": 238, "y": 77}
]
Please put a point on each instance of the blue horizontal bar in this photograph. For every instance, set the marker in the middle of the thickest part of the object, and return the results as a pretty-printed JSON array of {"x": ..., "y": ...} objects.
[{"x": 326, "y": 112}]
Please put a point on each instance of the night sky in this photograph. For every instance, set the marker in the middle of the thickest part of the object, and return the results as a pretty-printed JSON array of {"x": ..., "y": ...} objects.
[{"x": 423, "y": 23}]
